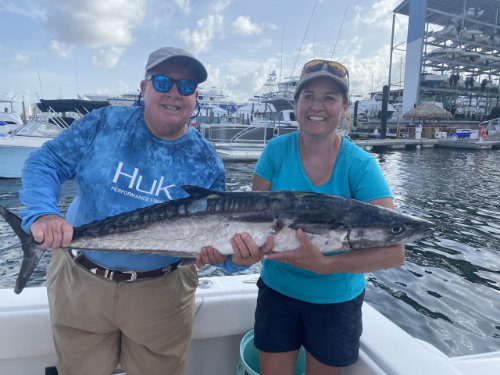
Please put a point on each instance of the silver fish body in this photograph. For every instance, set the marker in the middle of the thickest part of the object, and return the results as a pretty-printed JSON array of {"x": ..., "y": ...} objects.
[{"x": 182, "y": 227}]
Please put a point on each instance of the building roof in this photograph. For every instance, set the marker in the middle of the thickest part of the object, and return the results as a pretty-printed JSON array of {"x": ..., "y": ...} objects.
[
  {"x": 427, "y": 110},
  {"x": 480, "y": 13}
]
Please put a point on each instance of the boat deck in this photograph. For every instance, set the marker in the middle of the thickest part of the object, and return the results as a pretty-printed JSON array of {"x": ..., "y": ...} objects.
[{"x": 26, "y": 345}]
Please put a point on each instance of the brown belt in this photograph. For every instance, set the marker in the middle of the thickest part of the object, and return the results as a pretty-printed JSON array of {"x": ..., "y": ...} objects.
[{"x": 119, "y": 275}]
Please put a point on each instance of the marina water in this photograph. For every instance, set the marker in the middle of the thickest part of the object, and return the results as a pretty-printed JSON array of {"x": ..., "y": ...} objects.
[{"x": 447, "y": 292}]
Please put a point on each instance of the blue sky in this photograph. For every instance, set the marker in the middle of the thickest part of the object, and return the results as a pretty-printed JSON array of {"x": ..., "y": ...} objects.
[{"x": 61, "y": 48}]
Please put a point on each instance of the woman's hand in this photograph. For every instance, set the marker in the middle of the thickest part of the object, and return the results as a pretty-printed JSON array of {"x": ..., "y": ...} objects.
[
  {"x": 306, "y": 256},
  {"x": 245, "y": 250}
]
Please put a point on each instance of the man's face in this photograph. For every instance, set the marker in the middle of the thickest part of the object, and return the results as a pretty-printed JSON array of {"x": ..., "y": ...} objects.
[{"x": 166, "y": 114}]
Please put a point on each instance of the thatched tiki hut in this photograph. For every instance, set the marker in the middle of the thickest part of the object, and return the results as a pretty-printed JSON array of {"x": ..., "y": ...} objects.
[{"x": 430, "y": 112}]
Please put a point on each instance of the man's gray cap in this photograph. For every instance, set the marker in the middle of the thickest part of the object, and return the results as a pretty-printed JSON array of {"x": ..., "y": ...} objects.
[{"x": 178, "y": 54}]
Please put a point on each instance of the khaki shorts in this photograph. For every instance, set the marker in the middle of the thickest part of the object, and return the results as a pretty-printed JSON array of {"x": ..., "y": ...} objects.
[{"x": 145, "y": 326}]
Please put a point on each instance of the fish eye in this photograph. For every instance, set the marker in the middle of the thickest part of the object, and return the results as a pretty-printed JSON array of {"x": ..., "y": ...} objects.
[
  {"x": 397, "y": 229},
  {"x": 278, "y": 225}
]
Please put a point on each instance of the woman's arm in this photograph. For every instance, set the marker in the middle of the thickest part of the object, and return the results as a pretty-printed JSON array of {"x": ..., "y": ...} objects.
[
  {"x": 259, "y": 183},
  {"x": 308, "y": 256}
]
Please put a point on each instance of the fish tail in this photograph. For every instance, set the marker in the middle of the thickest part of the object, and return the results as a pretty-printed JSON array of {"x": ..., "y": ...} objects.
[{"x": 33, "y": 251}]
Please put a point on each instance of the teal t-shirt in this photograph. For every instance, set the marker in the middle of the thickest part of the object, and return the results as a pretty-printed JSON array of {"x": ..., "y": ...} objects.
[{"x": 356, "y": 175}]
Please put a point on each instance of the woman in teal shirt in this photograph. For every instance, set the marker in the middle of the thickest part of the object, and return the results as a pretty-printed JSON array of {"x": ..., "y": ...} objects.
[{"x": 307, "y": 298}]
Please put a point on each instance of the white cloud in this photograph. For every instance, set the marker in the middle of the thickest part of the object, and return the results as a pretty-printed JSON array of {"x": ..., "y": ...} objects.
[
  {"x": 219, "y": 6},
  {"x": 17, "y": 7},
  {"x": 18, "y": 61},
  {"x": 107, "y": 57},
  {"x": 309, "y": 49},
  {"x": 93, "y": 23},
  {"x": 184, "y": 5},
  {"x": 240, "y": 78},
  {"x": 243, "y": 25},
  {"x": 61, "y": 50},
  {"x": 263, "y": 43},
  {"x": 368, "y": 73},
  {"x": 380, "y": 13},
  {"x": 271, "y": 26},
  {"x": 207, "y": 28}
]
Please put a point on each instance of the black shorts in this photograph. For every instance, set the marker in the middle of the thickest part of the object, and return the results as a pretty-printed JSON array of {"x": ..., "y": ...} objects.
[{"x": 329, "y": 332}]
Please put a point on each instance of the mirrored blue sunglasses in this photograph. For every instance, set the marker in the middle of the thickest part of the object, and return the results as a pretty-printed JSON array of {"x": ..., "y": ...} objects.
[{"x": 186, "y": 87}]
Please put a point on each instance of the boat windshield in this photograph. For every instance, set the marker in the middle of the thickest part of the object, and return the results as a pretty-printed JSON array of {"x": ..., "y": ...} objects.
[{"x": 37, "y": 128}]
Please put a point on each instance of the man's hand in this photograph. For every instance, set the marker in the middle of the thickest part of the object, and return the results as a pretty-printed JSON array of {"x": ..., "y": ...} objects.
[
  {"x": 52, "y": 231},
  {"x": 209, "y": 255}
]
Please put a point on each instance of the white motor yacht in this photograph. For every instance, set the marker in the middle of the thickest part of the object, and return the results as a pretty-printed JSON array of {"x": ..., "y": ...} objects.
[
  {"x": 9, "y": 121},
  {"x": 15, "y": 147},
  {"x": 238, "y": 141}
]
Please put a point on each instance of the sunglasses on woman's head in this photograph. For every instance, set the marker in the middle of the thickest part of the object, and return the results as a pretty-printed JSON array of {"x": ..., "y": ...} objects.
[
  {"x": 337, "y": 69},
  {"x": 186, "y": 87}
]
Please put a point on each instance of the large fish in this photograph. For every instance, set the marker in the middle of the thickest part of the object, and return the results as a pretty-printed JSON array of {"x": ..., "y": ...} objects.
[{"x": 181, "y": 227}]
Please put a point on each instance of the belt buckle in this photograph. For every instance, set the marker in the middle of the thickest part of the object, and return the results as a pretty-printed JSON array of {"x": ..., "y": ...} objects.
[
  {"x": 75, "y": 254},
  {"x": 133, "y": 276}
]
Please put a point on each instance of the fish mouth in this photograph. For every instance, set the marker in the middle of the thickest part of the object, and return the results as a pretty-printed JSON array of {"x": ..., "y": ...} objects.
[
  {"x": 421, "y": 233},
  {"x": 428, "y": 232}
]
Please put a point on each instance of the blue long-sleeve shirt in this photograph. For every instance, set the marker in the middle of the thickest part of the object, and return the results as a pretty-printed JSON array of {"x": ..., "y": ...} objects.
[{"x": 118, "y": 165}]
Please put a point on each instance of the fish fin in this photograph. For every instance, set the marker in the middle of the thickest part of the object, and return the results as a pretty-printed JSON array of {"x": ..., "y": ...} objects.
[
  {"x": 32, "y": 254},
  {"x": 186, "y": 262},
  {"x": 32, "y": 249},
  {"x": 15, "y": 223},
  {"x": 197, "y": 191}
]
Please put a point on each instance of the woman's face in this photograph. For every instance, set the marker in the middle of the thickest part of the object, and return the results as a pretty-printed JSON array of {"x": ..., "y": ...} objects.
[
  {"x": 166, "y": 114},
  {"x": 320, "y": 107}
]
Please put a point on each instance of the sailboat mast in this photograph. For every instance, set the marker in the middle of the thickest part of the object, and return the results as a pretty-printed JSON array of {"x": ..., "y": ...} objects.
[
  {"x": 338, "y": 35},
  {"x": 301, "y": 44}
]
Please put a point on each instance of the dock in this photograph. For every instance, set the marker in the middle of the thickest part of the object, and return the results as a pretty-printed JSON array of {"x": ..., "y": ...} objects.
[
  {"x": 373, "y": 144},
  {"x": 377, "y": 144},
  {"x": 468, "y": 144}
]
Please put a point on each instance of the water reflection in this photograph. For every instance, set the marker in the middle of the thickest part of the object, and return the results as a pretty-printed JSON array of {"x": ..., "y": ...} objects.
[
  {"x": 447, "y": 293},
  {"x": 452, "y": 280}
]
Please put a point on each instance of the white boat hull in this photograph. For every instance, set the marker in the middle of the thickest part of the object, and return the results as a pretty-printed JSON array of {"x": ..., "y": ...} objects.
[
  {"x": 224, "y": 313},
  {"x": 14, "y": 150},
  {"x": 236, "y": 152}
]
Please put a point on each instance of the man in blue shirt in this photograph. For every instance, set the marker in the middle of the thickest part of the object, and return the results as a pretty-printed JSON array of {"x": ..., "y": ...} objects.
[{"x": 122, "y": 158}]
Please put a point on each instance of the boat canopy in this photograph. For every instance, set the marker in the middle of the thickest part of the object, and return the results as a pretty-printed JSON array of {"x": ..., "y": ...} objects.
[
  {"x": 70, "y": 105},
  {"x": 280, "y": 104}
]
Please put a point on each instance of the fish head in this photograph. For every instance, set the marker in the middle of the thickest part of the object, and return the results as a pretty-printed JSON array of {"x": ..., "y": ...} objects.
[
  {"x": 394, "y": 229},
  {"x": 336, "y": 223}
]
